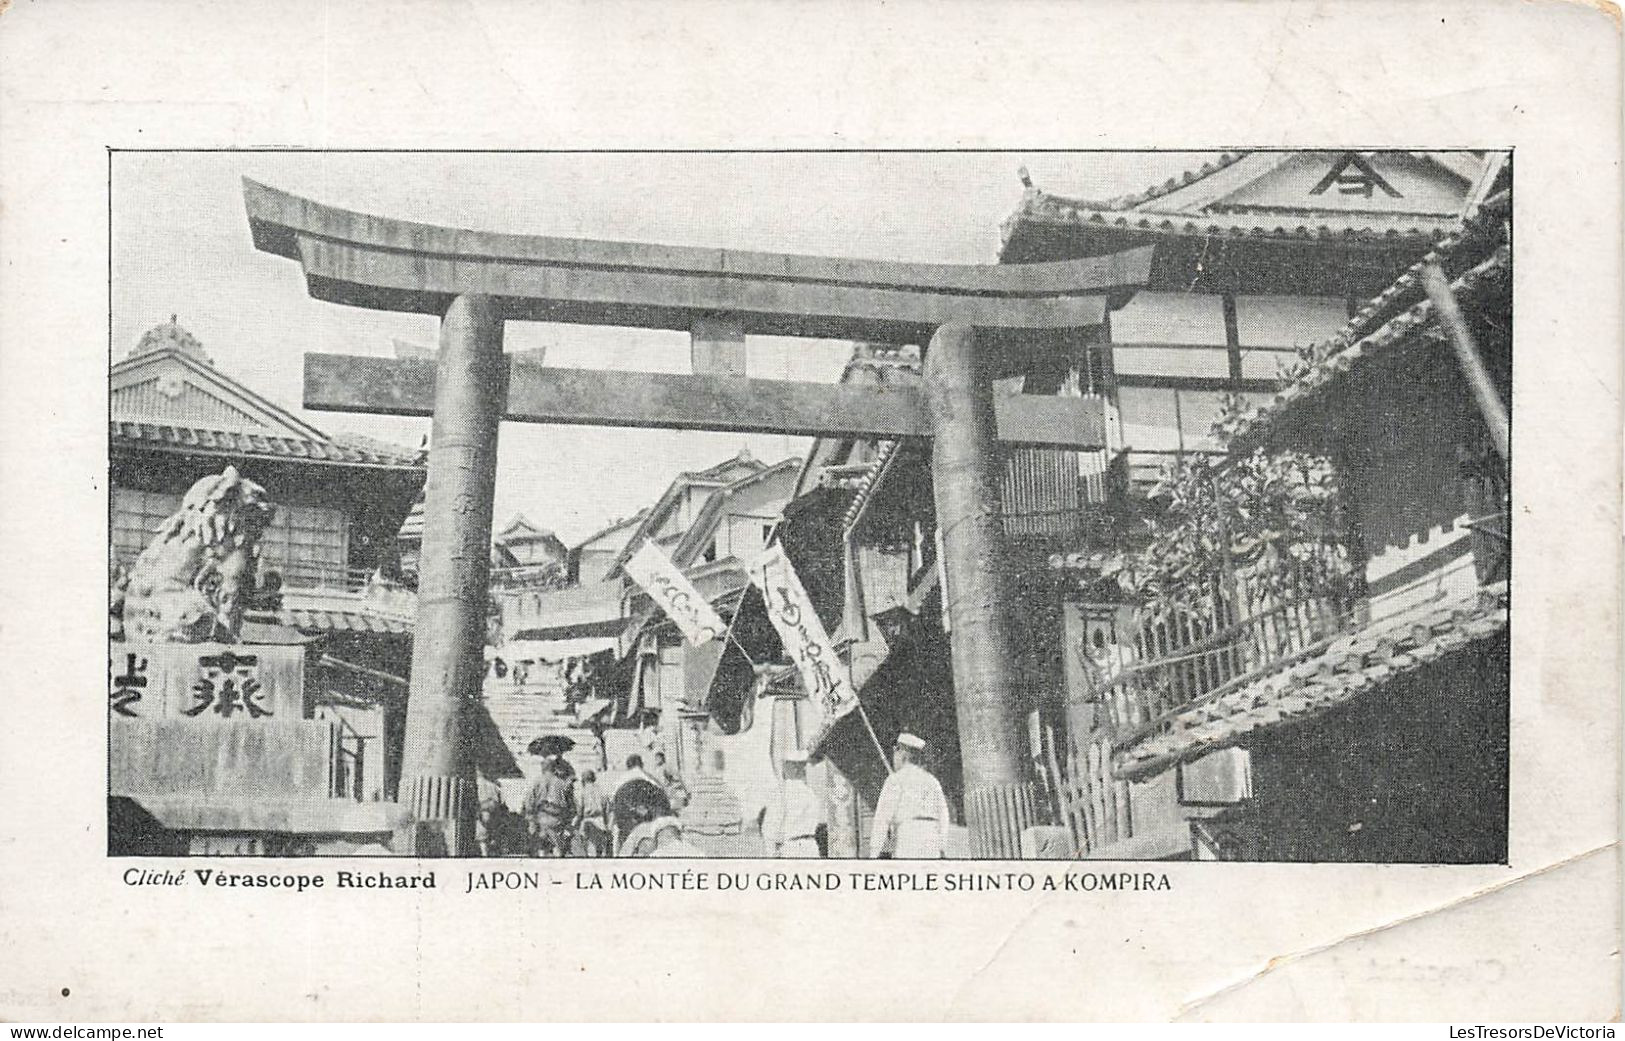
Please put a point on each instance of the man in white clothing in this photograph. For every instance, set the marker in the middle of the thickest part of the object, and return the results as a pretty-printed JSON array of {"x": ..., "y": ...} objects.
[
  {"x": 790, "y": 825},
  {"x": 669, "y": 841},
  {"x": 912, "y": 814}
]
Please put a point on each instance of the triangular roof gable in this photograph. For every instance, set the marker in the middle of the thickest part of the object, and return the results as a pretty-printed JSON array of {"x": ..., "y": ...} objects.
[
  {"x": 1363, "y": 182},
  {"x": 521, "y": 527},
  {"x": 609, "y": 529},
  {"x": 710, "y": 516},
  {"x": 168, "y": 386},
  {"x": 724, "y": 473}
]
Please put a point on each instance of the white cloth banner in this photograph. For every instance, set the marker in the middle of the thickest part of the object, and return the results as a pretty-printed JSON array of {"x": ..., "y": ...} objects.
[
  {"x": 685, "y": 605},
  {"x": 829, "y": 691}
]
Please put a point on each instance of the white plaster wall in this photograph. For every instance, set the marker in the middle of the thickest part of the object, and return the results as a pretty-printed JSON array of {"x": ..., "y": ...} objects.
[{"x": 1162, "y": 317}]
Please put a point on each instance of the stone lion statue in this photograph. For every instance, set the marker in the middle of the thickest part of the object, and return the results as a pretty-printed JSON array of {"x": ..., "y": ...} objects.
[{"x": 189, "y": 584}]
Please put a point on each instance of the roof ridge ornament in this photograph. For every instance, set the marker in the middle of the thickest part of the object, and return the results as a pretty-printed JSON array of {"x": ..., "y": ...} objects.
[{"x": 171, "y": 336}]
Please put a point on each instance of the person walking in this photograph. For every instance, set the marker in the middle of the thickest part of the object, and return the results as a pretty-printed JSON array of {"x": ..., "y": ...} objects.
[
  {"x": 592, "y": 816},
  {"x": 671, "y": 782},
  {"x": 490, "y": 830},
  {"x": 790, "y": 825},
  {"x": 549, "y": 809},
  {"x": 911, "y": 816}
]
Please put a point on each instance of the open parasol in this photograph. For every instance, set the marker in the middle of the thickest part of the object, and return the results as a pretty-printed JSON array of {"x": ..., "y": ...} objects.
[{"x": 550, "y": 744}]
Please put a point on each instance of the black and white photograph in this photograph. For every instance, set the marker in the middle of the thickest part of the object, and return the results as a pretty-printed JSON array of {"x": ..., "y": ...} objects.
[
  {"x": 567, "y": 517},
  {"x": 1123, "y": 506}
]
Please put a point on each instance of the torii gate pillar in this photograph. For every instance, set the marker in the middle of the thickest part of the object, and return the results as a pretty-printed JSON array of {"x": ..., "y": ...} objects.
[
  {"x": 477, "y": 280},
  {"x": 454, "y": 572},
  {"x": 965, "y": 472}
]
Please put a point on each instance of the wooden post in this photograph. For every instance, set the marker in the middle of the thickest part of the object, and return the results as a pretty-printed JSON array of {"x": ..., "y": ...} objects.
[
  {"x": 1490, "y": 406},
  {"x": 966, "y": 473},
  {"x": 717, "y": 347},
  {"x": 437, "y": 783}
]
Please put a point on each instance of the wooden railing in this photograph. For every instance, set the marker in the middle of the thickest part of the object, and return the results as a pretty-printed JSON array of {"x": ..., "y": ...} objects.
[
  {"x": 529, "y": 576},
  {"x": 1240, "y": 628},
  {"x": 1143, "y": 469},
  {"x": 1094, "y": 805},
  {"x": 308, "y": 575}
]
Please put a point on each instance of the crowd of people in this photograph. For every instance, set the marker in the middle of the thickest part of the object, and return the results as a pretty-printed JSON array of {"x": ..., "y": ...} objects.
[
  {"x": 563, "y": 814},
  {"x": 639, "y": 812}
]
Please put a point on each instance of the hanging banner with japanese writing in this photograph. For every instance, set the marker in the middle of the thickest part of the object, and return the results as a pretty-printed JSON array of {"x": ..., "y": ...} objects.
[
  {"x": 829, "y": 691},
  {"x": 671, "y": 590},
  {"x": 206, "y": 681}
]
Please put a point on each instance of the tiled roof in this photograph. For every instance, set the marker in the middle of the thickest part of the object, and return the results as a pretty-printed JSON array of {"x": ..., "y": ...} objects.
[
  {"x": 377, "y": 446},
  {"x": 866, "y": 483},
  {"x": 522, "y": 527},
  {"x": 344, "y": 621},
  {"x": 1382, "y": 229},
  {"x": 883, "y": 361},
  {"x": 1339, "y": 355},
  {"x": 1223, "y": 160},
  {"x": 577, "y": 630},
  {"x": 1479, "y": 229},
  {"x": 1352, "y": 664},
  {"x": 166, "y": 436},
  {"x": 624, "y": 522},
  {"x": 848, "y": 477},
  {"x": 1172, "y": 184},
  {"x": 713, "y": 473}
]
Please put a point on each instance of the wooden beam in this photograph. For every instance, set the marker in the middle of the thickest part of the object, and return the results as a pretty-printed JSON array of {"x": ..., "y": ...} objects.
[
  {"x": 717, "y": 348},
  {"x": 1214, "y": 383},
  {"x": 279, "y": 219},
  {"x": 375, "y": 262},
  {"x": 593, "y": 397},
  {"x": 409, "y": 282},
  {"x": 1232, "y": 335}
]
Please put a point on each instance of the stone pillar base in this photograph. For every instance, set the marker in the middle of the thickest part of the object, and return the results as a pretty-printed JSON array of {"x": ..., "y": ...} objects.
[
  {"x": 442, "y": 811},
  {"x": 997, "y": 814}
]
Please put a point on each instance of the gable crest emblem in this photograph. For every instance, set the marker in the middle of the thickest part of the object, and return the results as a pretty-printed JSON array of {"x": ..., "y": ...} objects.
[{"x": 1353, "y": 175}]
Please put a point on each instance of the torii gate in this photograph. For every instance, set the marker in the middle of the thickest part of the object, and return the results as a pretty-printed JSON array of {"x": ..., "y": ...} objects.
[{"x": 477, "y": 281}]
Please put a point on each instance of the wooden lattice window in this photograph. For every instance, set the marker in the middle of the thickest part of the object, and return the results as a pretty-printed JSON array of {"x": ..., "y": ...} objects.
[
  {"x": 309, "y": 545},
  {"x": 136, "y": 515}
]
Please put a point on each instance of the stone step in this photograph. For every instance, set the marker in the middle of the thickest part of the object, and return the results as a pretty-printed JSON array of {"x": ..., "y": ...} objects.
[{"x": 536, "y": 726}]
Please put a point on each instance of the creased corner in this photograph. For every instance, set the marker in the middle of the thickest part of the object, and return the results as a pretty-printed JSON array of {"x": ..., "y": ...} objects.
[{"x": 1196, "y": 1004}]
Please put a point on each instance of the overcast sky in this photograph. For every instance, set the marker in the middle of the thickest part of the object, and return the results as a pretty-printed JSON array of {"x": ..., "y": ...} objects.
[{"x": 181, "y": 246}]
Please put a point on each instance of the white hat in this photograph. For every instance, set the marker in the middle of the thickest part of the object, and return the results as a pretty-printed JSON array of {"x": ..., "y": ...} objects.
[
  {"x": 910, "y": 741},
  {"x": 795, "y": 755}
]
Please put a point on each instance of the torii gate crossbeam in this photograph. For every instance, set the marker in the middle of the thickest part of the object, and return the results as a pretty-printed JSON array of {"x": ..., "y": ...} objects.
[
  {"x": 594, "y": 397},
  {"x": 476, "y": 281}
]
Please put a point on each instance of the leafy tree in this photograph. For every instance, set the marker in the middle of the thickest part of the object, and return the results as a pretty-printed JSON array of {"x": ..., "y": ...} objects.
[{"x": 1276, "y": 516}]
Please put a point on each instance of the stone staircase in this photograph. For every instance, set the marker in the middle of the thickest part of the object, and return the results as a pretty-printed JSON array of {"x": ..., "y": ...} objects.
[{"x": 523, "y": 714}]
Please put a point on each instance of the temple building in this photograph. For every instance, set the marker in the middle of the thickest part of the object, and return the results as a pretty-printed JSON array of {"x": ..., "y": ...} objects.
[
  {"x": 323, "y": 599},
  {"x": 175, "y": 416},
  {"x": 1258, "y": 257},
  {"x": 1372, "y": 698},
  {"x": 592, "y": 558},
  {"x": 531, "y": 545}
]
